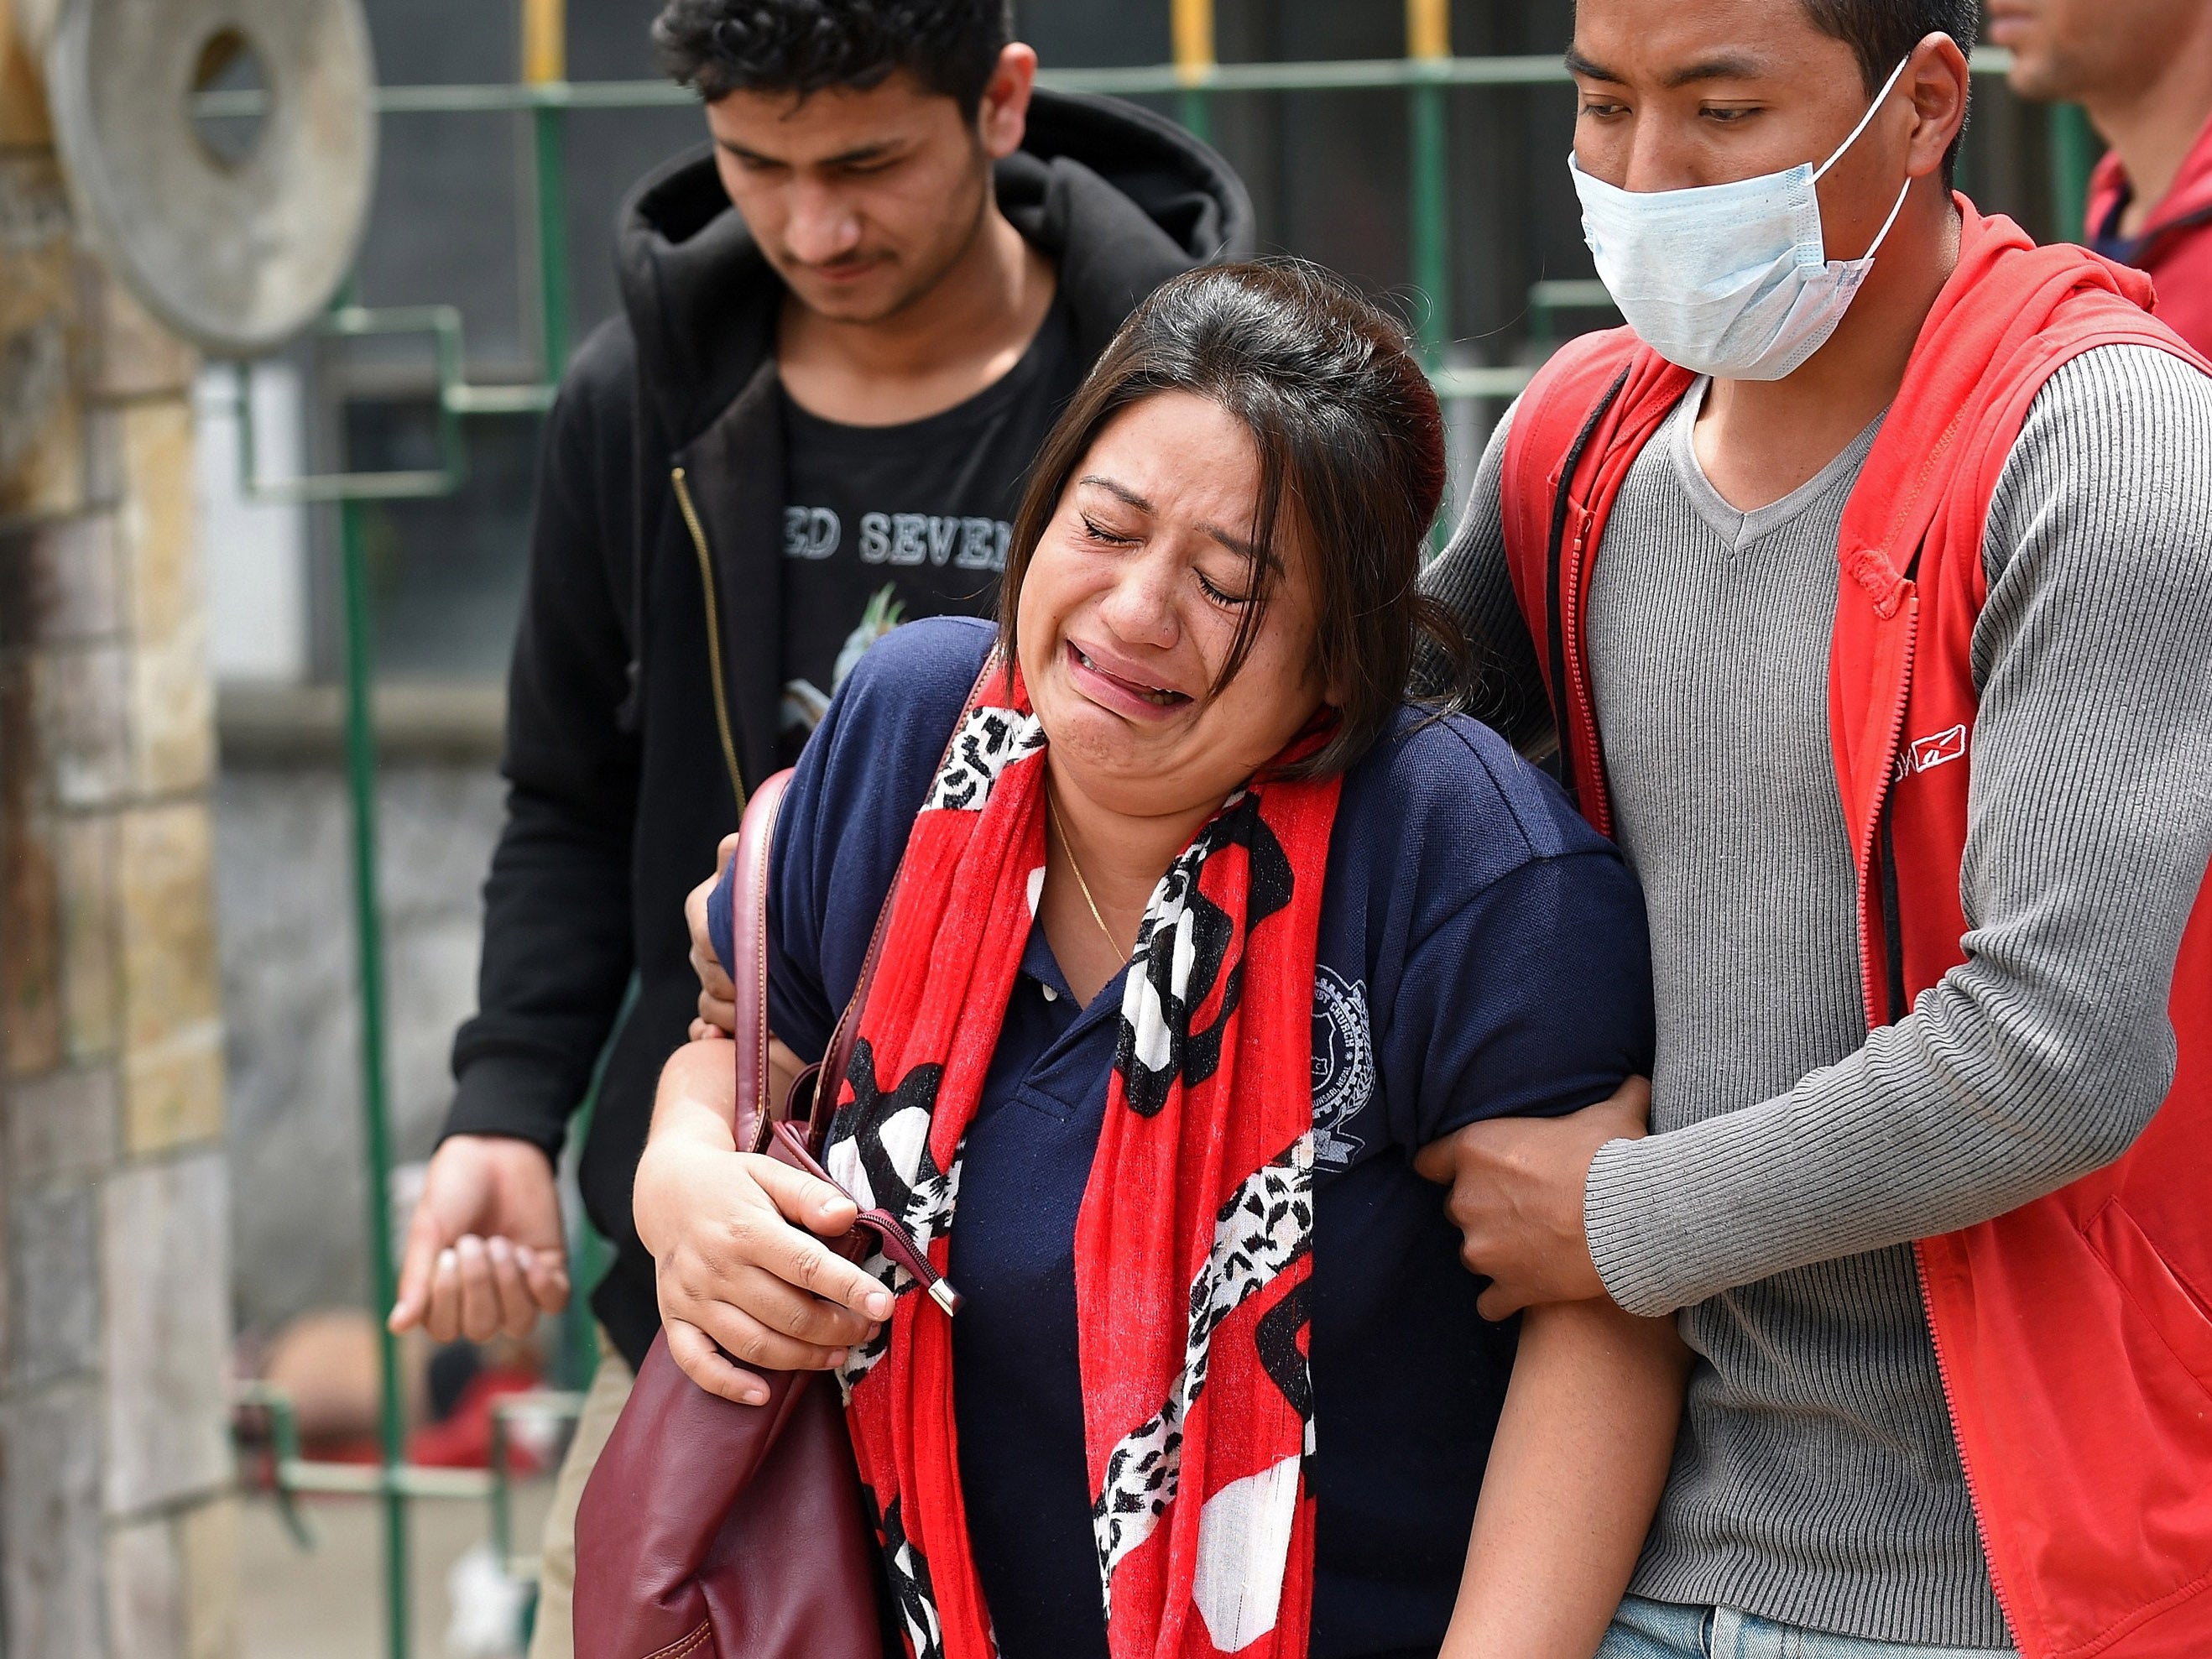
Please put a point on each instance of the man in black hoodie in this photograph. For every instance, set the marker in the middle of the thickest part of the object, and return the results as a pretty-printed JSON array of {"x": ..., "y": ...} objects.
[{"x": 846, "y": 328}]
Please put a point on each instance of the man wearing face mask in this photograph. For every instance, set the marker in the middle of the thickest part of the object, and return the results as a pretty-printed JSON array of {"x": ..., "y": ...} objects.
[{"x": 1865, "y": 583}]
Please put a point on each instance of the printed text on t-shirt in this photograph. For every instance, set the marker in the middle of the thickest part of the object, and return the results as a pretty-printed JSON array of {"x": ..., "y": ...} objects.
[{"x": 900, "y": 538}]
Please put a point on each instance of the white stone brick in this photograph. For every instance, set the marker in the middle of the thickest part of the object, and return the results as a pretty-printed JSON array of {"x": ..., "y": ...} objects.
[
  {"x": 54, "y": 1285},
  {"x": 52, "y": 1528},
  {"x": 145, "y": 1591},
  {"x": 165, "y": 1282}
]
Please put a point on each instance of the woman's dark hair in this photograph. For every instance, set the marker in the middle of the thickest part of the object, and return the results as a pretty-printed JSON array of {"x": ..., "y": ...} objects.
[
  {"x": 802, "y": 46},
  {"x": 1350, "y": 442}
]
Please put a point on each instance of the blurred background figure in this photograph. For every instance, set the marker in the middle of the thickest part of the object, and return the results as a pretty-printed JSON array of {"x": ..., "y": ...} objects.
[{"x": 2142, "y": 70}]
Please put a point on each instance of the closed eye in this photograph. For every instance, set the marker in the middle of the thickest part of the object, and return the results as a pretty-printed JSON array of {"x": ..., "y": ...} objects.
[
  {"x": 1220, "y": 597},
  {"x": 1098, "y": 533}
]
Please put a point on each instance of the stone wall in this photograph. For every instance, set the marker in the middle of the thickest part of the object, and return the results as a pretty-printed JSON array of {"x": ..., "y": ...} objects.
[{"x": 116, "y": 1521}]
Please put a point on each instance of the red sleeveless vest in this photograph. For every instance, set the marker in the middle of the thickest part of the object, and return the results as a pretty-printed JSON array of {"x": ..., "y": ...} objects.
[{"x": 2073, "y": 1333}]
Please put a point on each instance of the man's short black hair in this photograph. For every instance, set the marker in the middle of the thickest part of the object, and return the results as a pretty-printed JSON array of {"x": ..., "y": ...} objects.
[
  {"x": 802, "y": 46},
  {"x": 1883, "y": 32}
]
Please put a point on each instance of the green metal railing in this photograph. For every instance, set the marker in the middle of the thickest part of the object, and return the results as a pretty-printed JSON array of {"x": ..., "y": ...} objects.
[{"x": 1425, "y": 75}]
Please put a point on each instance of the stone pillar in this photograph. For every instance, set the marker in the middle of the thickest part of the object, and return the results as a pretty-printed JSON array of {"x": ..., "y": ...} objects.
[{"x": 116, "y": 1518}]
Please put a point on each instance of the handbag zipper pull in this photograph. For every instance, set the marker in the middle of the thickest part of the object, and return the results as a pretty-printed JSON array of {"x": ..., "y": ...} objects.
[{"x": 899, "y": 1244}]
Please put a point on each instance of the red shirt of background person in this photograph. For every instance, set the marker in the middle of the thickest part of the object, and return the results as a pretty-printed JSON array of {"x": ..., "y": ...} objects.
[{"x": 2142, "y": 69}]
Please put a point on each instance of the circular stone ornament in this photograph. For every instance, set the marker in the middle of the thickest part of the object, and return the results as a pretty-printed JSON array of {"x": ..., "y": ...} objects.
[{"x": 234, "y": 229}]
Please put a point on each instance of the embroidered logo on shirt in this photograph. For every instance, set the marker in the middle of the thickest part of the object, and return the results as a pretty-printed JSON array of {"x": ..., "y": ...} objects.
[
  {"x": 1343, "y": 1067},
  {"x": 1926, "y": 754}
]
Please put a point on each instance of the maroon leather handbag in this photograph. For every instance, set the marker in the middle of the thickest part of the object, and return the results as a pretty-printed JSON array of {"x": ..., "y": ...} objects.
[{"x": 712, "y": 1530}]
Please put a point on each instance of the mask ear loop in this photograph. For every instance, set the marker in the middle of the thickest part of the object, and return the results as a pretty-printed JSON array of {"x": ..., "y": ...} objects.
[
  {"x": 1882, "y": 235},
  {"x": 1866, "y": 120}
]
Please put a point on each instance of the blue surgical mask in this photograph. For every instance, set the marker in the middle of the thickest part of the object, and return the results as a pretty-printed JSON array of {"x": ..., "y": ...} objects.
[{"x": 1729, "y": 280}]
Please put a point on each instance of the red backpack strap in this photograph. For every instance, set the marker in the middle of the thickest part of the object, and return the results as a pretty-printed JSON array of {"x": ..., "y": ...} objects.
[
  {"x": 1576, "y": 432},
  {"x": 1553, "y": 426}
]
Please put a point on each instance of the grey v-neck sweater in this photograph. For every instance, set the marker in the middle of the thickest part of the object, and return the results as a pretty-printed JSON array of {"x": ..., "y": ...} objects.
[{"x": 1816, "y": 1481}]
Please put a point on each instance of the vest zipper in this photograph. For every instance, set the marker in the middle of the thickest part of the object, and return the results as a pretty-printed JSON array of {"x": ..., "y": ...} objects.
[
  {"x": 2005, "y": 1601},
  {"x": 1559, "y": 580},
  {"x": 1868, "y": 851},
  {"x": 713, "y": 633},
  {"x": 1871, "y": 974},
  {"x": 1600, "y": 805},
  {"x": 1892, "y": 912}
]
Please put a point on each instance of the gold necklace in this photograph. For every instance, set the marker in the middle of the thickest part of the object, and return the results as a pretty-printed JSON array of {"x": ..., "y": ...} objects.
[{"x": 1082, "y": 886}]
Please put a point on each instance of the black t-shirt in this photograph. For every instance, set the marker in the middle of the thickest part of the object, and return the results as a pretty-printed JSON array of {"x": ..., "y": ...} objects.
[{"x": 885, "y": 524}]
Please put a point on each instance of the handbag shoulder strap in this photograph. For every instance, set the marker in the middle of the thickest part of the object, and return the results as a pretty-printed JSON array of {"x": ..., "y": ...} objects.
[
  {"x": 749, "y": 961},
  {"x": 830, "y": 1082},
  {"x": 748, "y": 973}
]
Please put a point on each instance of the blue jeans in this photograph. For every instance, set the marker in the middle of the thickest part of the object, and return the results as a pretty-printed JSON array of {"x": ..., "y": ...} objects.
[{"x": 1658, "y": 1630}]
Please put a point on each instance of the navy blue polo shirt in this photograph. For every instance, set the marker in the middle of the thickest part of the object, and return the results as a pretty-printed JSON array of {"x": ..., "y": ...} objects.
[{"x": 1482, "y": 953}]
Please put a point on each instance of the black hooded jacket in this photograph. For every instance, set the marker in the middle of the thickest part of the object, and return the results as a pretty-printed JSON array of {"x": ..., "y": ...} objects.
[{"x": 620, "y": 777}]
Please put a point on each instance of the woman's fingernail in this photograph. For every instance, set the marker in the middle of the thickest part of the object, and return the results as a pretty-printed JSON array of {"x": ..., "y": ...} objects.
[
  {"x": 500, "y": 1250},
  {"x": 753, "y": 1395},
  {"x": 837, "y": 1356},
  {"x": 525, "y": 1257},
  {"x": 878, "y": 1304},
  {"x": 448, "y": 1260},
  {"x": 471, "y": 1245}
]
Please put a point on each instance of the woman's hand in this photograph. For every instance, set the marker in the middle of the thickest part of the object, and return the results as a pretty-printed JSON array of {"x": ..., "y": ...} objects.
[{"x": 740, "y": 1271}]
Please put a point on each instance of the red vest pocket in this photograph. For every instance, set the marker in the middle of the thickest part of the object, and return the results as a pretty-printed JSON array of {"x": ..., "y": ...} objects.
[{"x": 2157, "y": 1293}]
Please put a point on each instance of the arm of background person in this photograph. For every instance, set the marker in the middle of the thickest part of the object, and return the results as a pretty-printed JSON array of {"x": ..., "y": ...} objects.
[
  {"x": 2043, "y": 1055},
  {"x": 556, "y": 942},
  {"x": 1574, "y": 1477},
  {"x": 557, "y": 923},
  {"x": 1471, "y": 578}
]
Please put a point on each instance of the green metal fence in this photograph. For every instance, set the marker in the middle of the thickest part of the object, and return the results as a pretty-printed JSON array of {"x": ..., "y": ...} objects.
[{"x": 1425, "y": 75}]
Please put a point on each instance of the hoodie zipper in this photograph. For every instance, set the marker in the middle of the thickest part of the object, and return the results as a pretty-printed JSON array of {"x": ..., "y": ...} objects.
[{"x": 713, "y": 633}]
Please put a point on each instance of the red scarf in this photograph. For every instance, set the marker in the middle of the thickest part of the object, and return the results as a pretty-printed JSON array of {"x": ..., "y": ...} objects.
[{"x": 1193, "y": 1245}]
